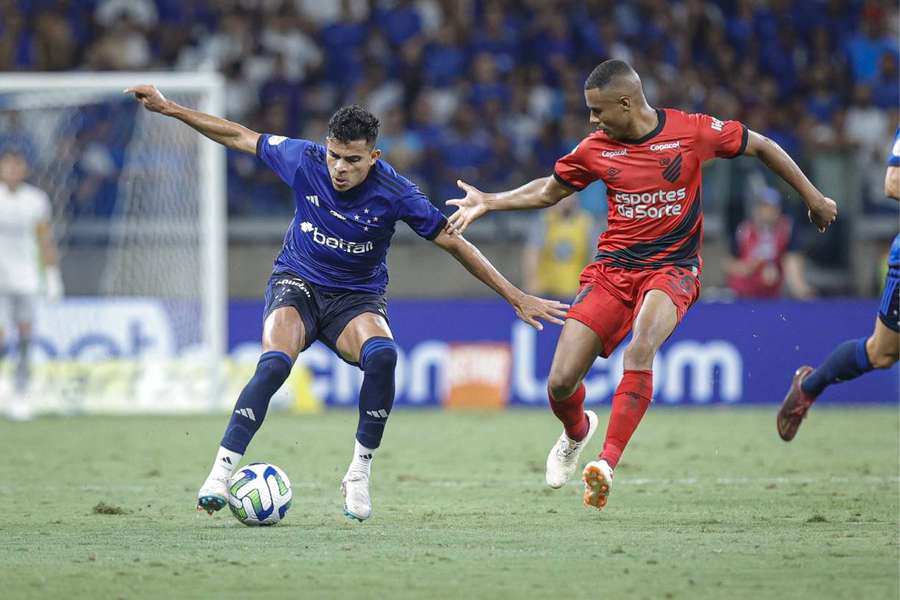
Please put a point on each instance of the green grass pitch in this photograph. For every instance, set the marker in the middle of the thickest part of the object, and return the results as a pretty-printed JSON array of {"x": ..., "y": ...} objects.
[{"x": 707, "y": 503}]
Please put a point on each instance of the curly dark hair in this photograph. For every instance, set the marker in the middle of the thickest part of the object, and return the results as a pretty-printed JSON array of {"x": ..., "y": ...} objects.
[{"x": 352, "y": 123}]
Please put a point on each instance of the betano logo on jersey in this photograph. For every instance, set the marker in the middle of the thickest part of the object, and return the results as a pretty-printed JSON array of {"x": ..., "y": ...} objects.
[
  {"x": 336, "y": 243},
  {"x": 644, "y": 205}
]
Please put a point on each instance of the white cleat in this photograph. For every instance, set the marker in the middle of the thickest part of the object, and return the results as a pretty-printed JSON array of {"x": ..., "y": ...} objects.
[
  {"x": 213, "y": 495},
  {"x": 563, "y": 458},
  {"x": 355, "y": 489},
  {"x": 597, "y": 477}
]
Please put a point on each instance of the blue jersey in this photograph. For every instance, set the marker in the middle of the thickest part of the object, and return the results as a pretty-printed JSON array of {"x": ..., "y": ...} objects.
[
  {"x": 340, "y": 239},
  {"x": 894, "y": 161}
]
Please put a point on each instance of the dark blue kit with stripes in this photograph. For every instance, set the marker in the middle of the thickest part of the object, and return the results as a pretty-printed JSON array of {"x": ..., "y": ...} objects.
[{"x": 324, "y": 311}]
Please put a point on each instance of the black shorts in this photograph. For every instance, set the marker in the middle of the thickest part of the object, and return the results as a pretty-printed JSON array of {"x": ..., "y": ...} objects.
[{"x": 325, "y": 311}]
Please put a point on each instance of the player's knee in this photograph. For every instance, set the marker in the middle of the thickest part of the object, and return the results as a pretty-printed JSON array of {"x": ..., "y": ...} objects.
[
  {"x": 639, "y": 353},
  {"x": 379, "y": 357},
  {"x": 883, "y": 360},
  {"x": 561, "y": 386},
  {"x": 273, "y": 369}
]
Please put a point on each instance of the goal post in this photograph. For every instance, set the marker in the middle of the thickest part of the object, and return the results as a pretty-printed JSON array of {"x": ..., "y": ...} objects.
[{"x": 139, "y": 213}]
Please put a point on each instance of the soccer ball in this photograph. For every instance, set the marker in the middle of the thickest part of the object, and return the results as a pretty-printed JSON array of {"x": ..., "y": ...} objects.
[{"x": 259, "y": 494}]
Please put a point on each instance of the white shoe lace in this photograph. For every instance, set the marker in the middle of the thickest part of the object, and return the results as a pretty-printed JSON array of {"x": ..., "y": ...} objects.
[{"x": 566, "y": 448}]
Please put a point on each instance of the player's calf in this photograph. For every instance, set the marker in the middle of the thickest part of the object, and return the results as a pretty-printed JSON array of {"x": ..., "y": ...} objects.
[
  {"x": 272, "y": 370},
  {"x": 378, "y": 360}
]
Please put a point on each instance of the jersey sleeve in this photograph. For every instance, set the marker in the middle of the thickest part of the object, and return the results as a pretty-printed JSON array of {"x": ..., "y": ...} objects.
[
  {"x": 421, "y": 215},
  {"x": 573, "y": 171},
  {"x": 282, "y": 154},
  {"x": 894, "y": 158},
  {"x": 719, "y": 139}
]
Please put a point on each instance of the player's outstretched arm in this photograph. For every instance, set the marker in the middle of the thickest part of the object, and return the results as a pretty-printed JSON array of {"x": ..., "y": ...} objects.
[
  {"x": 892, "y": 183},
  {"x": 231, "y": 135},
  {"x": 539, "y": 193},
  {"x": 822, "y": 210},
  {"x": 528, "y": 308}
]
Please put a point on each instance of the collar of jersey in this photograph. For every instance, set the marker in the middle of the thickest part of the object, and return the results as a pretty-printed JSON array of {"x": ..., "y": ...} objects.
[{"x": 661, "y": 118}]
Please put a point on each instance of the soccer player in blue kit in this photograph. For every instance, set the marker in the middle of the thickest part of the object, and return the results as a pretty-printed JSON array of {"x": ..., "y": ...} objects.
[
  {"x": 853, "y": 357},
  {"x": 329, "y": 280}
]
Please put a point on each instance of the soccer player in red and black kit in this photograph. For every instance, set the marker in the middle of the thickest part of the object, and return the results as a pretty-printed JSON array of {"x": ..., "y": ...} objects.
[{"x": 645, "y": 275}]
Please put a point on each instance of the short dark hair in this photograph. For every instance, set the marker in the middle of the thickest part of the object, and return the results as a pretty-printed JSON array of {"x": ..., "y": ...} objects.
[
  {"x": 606, "y": 72},
  {"x": 352, "y": 123}
]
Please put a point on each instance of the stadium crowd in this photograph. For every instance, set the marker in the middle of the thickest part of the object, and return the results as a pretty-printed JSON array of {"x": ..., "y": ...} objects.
[{"x": 484, "y": 90}]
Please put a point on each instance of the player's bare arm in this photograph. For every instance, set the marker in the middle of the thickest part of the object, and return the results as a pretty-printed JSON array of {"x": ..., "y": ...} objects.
[
  {"x": 229, "y": 134},
  {"x": 539, "y": 193},
  {"x": 528, "y": 308},
  {"x": 892, "y": 183},
  {"x": 822, "y": 210}
]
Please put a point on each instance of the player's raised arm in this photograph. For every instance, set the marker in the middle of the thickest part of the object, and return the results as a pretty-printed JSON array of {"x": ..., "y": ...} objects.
[
  {"x": 822, "y": 210},
  {"x": 528, "y": 308},
  {"x": 539, "y": 193},
  {"x": 227, "y": 133}
]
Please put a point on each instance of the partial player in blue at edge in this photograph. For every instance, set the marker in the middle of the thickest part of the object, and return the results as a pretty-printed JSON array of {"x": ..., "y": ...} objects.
[
  {"x": 329, "y": 280},
  {"x": 853, "y": 357}
]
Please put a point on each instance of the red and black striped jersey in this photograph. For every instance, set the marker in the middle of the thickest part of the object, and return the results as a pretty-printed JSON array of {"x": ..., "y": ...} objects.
[{"x": 653, "y": 187}]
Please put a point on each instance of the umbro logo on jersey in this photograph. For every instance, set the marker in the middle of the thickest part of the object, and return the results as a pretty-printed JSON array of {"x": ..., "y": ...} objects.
[
  {"x": 612, "y": 172},
  {"x": 246, "y": 412},
  {"x": 378, "y": 414},
  {"x": 614, "y": 153},
  {"x": 314, "y": 200}
]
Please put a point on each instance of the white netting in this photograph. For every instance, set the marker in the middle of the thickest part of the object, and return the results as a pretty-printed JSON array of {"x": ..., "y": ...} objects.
[{"x": 131, "y": 191}]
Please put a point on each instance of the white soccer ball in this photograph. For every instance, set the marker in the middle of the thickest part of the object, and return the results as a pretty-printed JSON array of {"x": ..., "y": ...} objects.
[{"x": 259, "y": 494}]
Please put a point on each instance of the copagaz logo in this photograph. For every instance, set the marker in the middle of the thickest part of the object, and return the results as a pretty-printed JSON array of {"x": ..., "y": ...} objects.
[
  {"x": 336, "y": 243},
  {"x": 274, "y": 140},
  {"x": 665, "y": 146},
  {"x": 614, "y": 153}
]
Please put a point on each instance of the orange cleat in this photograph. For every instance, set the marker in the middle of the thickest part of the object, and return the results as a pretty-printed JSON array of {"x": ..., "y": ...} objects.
[{"x": 597, "y": 477}]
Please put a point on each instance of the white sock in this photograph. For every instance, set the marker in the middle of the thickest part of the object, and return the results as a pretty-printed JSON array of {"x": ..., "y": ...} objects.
[
  {"x": 226, "y": 462},
  {"x": 362, "y": 459}
]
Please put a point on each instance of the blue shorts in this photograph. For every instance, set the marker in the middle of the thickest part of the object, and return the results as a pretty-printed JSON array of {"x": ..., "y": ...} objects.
[
  {"x": 889, "y": 311},
  {"x": 325, "y": 312}
]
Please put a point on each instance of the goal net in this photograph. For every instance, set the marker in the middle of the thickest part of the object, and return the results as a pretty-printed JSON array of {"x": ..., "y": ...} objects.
[{"x": 138, "y": 213}]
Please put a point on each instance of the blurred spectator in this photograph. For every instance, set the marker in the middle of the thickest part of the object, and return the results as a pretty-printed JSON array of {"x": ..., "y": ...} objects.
[
  {"x": 765, "y": 255},
  {"x": 560, "y": 243}
]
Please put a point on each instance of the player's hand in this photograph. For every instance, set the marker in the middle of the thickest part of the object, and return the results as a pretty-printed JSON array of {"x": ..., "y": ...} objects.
[
  {"x": 470, "y": 208},
  {"x": 150, "y": 97},
  {"x": 531, "y": 308},
  {"x": 823, "y": 213}
]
